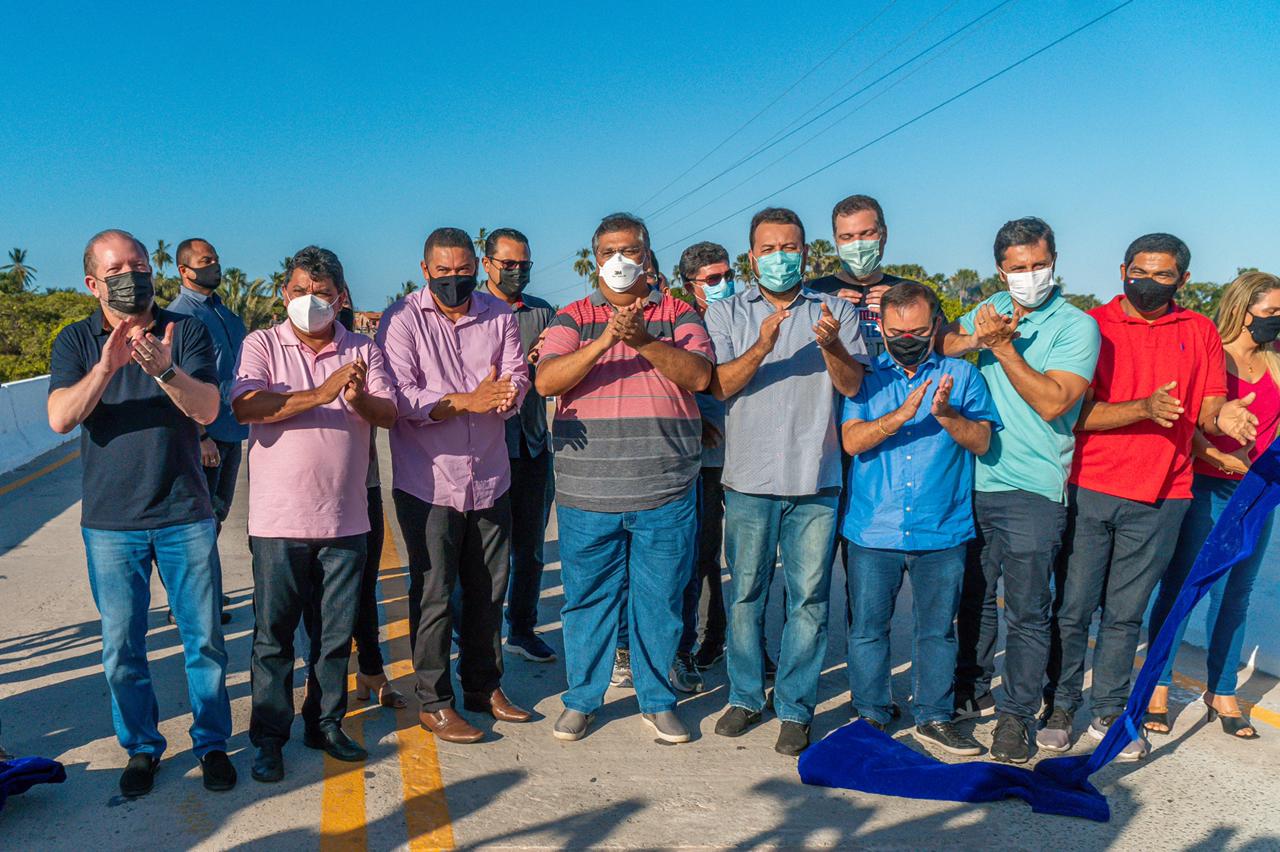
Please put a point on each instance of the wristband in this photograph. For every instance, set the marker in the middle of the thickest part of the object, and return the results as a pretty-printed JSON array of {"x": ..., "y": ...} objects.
[
  {"x": 165, "y": 377},
  {"x": 886, "y": 432}
]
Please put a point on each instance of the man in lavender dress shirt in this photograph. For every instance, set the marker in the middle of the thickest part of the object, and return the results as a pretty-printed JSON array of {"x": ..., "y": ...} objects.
[{"x": 455, "y": 357}]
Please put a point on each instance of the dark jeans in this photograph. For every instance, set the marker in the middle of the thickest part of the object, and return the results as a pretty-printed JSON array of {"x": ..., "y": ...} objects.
[
  {"x": 1018, "y": 538},
  {"x": 528, "y": 529},
  {"x": 290, "y": 576},
  {"x": 1114, "y": 553},
  {"x": 704, "y": 587},
  {"x": 449, "y": 548},
  {"x": 222, "y": 479}
]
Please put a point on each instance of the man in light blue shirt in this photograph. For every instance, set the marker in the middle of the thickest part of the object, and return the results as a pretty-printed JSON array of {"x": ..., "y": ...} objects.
[
  {"x": 912, "y": 430},
  {"x": 1037, "y": 353},
  {"x": 785, "y": 354},
  {"x": 220, "y": 441}
]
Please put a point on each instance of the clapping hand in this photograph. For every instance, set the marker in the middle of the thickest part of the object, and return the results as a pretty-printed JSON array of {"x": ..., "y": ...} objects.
[
  {"x": 492, "y": 394},
  {"x": 153, "y": 354},
  {"x": 827, "y": 331},
  {"x": 769, "y": 329},
  {"x": 354, "y": 388},
  {"x": 993, "y": 329},
  {"x": 1163, "y": 407},
  {"x": 630, "y": 325},
  {"x": 117, "y": 351},
  {"x": 1235, "y": 419},
  {"x": 942, "y": 397}
]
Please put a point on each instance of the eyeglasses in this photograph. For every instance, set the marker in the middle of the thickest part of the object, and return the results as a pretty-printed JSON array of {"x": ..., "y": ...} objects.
[
  {"x": 714, "y": 280},
  {"x": 629, "y": 252},
  {"x": 511, "y": 265}
]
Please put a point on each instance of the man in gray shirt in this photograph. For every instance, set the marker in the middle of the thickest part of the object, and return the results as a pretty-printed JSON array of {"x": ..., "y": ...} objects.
[
  {"x": 507, "y": 262},
  {"x": 785, "y": 354}
]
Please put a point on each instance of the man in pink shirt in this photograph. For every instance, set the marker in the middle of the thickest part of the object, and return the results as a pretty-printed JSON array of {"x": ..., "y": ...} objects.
[
  {"x": 310, "y": 391},
  {"x": 454, "y": 355}
]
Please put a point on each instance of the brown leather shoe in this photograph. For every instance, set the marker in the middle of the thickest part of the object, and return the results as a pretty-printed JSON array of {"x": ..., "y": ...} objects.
[
  {"x": 449, "y": 726},
  {"x": 497, "y": 704}
]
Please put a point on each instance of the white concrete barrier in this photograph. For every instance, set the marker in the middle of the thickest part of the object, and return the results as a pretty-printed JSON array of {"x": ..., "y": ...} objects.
[{"x": 24, "y": 423}]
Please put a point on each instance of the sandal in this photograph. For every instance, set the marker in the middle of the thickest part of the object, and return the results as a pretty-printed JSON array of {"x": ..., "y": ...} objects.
[
  {"x": 387, "y": 695},
  {"x": 1157, "y": 717},
  {"x": 1231, "y": 725}
]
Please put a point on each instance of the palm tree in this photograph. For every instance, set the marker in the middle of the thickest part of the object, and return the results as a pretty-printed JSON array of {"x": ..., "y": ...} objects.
[
  {"x": 585, "y": 266},
  {"x": 823, "y": 259},
  {"x": 161, "y": 257},
  {"x": 405, "y": 289},
  {"x": 481, "y": 236},
  {"x": 277, "y": 277},
  {"x": 17, "y": 270},
  {"x": 742, "y": 269}
]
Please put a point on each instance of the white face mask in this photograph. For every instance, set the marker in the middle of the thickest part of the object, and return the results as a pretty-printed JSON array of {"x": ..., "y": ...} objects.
[
  {"x": 310, "y": 313},
  {"x": 1029, "y": 289},
  {"x": 619, "y": 272}
]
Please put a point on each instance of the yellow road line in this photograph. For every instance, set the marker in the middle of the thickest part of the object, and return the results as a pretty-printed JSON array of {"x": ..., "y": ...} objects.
[
  {"x": 342, "y": 807},
  {"x": 32, "y": 477},
  {"x": 426, "y": 813},
  {"x": 1256, "y": 712}
]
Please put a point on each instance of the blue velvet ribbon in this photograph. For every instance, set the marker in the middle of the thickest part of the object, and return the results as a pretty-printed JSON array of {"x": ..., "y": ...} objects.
[
  {"x": 858, "y": 757},
  {"x": 17, "y": 776}
]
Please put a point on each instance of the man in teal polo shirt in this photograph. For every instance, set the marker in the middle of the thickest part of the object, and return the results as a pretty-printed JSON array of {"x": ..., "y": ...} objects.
[{"x": 1037, "y": 353}]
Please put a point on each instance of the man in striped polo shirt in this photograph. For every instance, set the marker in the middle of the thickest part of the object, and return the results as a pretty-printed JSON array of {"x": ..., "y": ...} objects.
[{"x": 624, "y": 363}]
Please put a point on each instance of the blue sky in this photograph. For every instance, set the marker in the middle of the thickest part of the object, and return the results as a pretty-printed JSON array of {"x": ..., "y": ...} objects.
[{"x": 265, "y": 127}]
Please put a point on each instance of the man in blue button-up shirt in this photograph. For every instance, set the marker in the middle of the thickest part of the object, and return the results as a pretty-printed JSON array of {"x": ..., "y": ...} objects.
[
  {"x": 913, "y": 430},
  {"x": 220, "y": 444}
]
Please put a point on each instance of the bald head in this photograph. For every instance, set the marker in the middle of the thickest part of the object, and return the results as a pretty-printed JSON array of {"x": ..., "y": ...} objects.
[{"x": 114, "y": 249}]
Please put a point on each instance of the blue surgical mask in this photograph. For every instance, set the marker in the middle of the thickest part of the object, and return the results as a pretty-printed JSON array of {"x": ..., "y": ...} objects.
[
  {"x": 860, "y": 258},
  {"x": 716, "y": 292},
  {"x": 780, "y": 271}
]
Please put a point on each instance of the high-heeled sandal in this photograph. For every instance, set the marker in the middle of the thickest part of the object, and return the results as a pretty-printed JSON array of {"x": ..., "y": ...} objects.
[
  {"x": 1157, "y": 717},
  {"x": 1231, "y": 725},
  {"x": 387, "y": 695}
]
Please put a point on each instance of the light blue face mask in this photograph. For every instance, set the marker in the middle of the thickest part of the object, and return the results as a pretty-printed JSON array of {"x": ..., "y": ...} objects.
[
  {"x": 780, "y": 271},
  {"x": 716, "y": 292},
  {"x": 860, "y": 258}
]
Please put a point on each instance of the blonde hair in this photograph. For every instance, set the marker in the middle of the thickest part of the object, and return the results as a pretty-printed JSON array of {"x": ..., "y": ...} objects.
[{"x": 1237, "y": 298}]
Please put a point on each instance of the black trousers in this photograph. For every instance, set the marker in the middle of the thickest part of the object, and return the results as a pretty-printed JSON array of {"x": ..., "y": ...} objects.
[
  {"x": 291, "y": 576},
  {"x": 528, "y": 529},
  {"x": 447, "y": 548},
  {"x": 704, "y": 596},
  {"x": 222, "y": 479}
]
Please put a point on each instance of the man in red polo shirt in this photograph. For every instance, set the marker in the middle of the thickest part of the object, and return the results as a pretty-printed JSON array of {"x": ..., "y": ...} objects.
[{"x": 1160, "y": 377}]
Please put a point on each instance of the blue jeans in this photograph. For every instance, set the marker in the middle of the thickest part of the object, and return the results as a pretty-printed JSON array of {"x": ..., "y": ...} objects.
[
  {"x": 875, "y": 578},
  {"x": 648, "y": 553},
  {"x": 120, "y": 578},
  {"x": 756, "y": 527},
  {"x": 1228, "y": 598}
]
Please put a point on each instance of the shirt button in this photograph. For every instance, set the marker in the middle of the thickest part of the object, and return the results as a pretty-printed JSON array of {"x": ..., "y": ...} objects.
[
  {"x": 908, "y": 458},
  {"x": 908, "y": 484},
  {"x": 906, "y": 532},
  {"x": 908, "y": 508}
]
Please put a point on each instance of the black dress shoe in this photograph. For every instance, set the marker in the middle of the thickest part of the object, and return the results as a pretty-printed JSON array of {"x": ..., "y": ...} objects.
[
  {"x": 792, "y": 739},
  {"x": 219, "y": 774},
  {"x": 268, "y": 764},
  {"x": 139, "y": 775},
  {"x": 334, "y": 742}
]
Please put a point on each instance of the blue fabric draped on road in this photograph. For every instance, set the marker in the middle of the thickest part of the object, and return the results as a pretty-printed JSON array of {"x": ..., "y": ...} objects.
[
  {"x": 858, "y": 757},
  {"x": 18, "y": 775}
]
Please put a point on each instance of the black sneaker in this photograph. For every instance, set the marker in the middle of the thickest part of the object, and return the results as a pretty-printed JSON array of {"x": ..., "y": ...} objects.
[
  {"x": 736, "y": 721},
  {"x": 1011, "y": 742},
  {"x": 708, "y": 656},
  {"x": 945, "y": 736},
  {"x": 684, "y": 675},
  {"x": 792, "y": 739},
  {"x": 139, "y": 775},
  {"x": 969, "y": 707},
  {"x": 219, "y": 774}
]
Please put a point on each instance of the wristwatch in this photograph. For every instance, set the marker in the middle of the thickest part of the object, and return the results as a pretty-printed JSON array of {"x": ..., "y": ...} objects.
[{"x": 167, "y": 375}]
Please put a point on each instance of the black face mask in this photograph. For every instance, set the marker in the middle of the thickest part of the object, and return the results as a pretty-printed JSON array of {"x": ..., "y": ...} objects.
[
  {"x": 130, "y": 292},
  {"x": 1264, "y": 330},
  {"x": 513, "y": 281},
  {"x": 452, "y": 290},
  {"x": 909, "y": 350},
  {"x": 209, "y": 276},
  {"x": 1147, "y": 294}
]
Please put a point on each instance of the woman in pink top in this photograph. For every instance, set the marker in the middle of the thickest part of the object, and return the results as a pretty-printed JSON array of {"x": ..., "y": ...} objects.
[{"x": 1249, "y": 322}]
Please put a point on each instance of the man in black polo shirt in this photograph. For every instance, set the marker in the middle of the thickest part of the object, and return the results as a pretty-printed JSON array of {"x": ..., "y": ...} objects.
[{"x": 138, "y": 380}]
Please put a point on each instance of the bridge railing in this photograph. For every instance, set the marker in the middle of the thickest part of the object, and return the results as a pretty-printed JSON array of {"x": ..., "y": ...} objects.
[{"x": 24, "y": 423}]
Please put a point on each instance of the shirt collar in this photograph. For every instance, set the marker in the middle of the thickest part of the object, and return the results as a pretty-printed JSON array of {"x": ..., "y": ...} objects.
[
  {"x": 597, "y": 297},
  {"x": 188, "y": 293},
  {"x": 753, "y": 294}
]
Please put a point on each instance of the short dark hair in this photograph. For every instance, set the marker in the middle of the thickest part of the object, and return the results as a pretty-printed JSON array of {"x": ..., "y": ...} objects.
[
  {"x": 699, "y": 255},
  {"x": 1026, "y": 231},
  {"x": 1163, "y": 244},
  {"x": 615, "y": 222},
  {"x": 320, "y": 263},
  {"x": 491, "y": 239},
  {"x": 907, "y": 293},
  {"x": 91, "y": 263},
  {"x": 855, "y": 204},
  {"x": 447, "y": 238},
  {"x": 184, "y": 250},
  {"x": 775, "y": 216}
]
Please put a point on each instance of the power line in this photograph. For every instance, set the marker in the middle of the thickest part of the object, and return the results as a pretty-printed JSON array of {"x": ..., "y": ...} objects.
[
  {"x": 771, "y": 103},
  {"x": 828, "y": 110},
  {"x": 905, "y": 124}
]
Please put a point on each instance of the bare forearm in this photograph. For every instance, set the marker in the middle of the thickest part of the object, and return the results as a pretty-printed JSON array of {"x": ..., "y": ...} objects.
[
  {"x": 1209, "y": 409},
  {"x": 973, "y": 435},
  {"x": 953, "y": 342},
  {"x": 194, "y": 398},
  {"x": 375, "y": 410},
  {"x": 563, "y": 372},
  {"x": 451, "y": 405},
  {"x": 1098, "y": 416},
  {"x": 731, "y": 377},
  {"x": 68, "y": 407},
  {"x": 1042, "y": 393},
  {"x": 272, "y": 407},
  {"x": 846, "y": 373},
  {"x": 690, "y": 371},
  {"x": 858, "y": 436}
]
